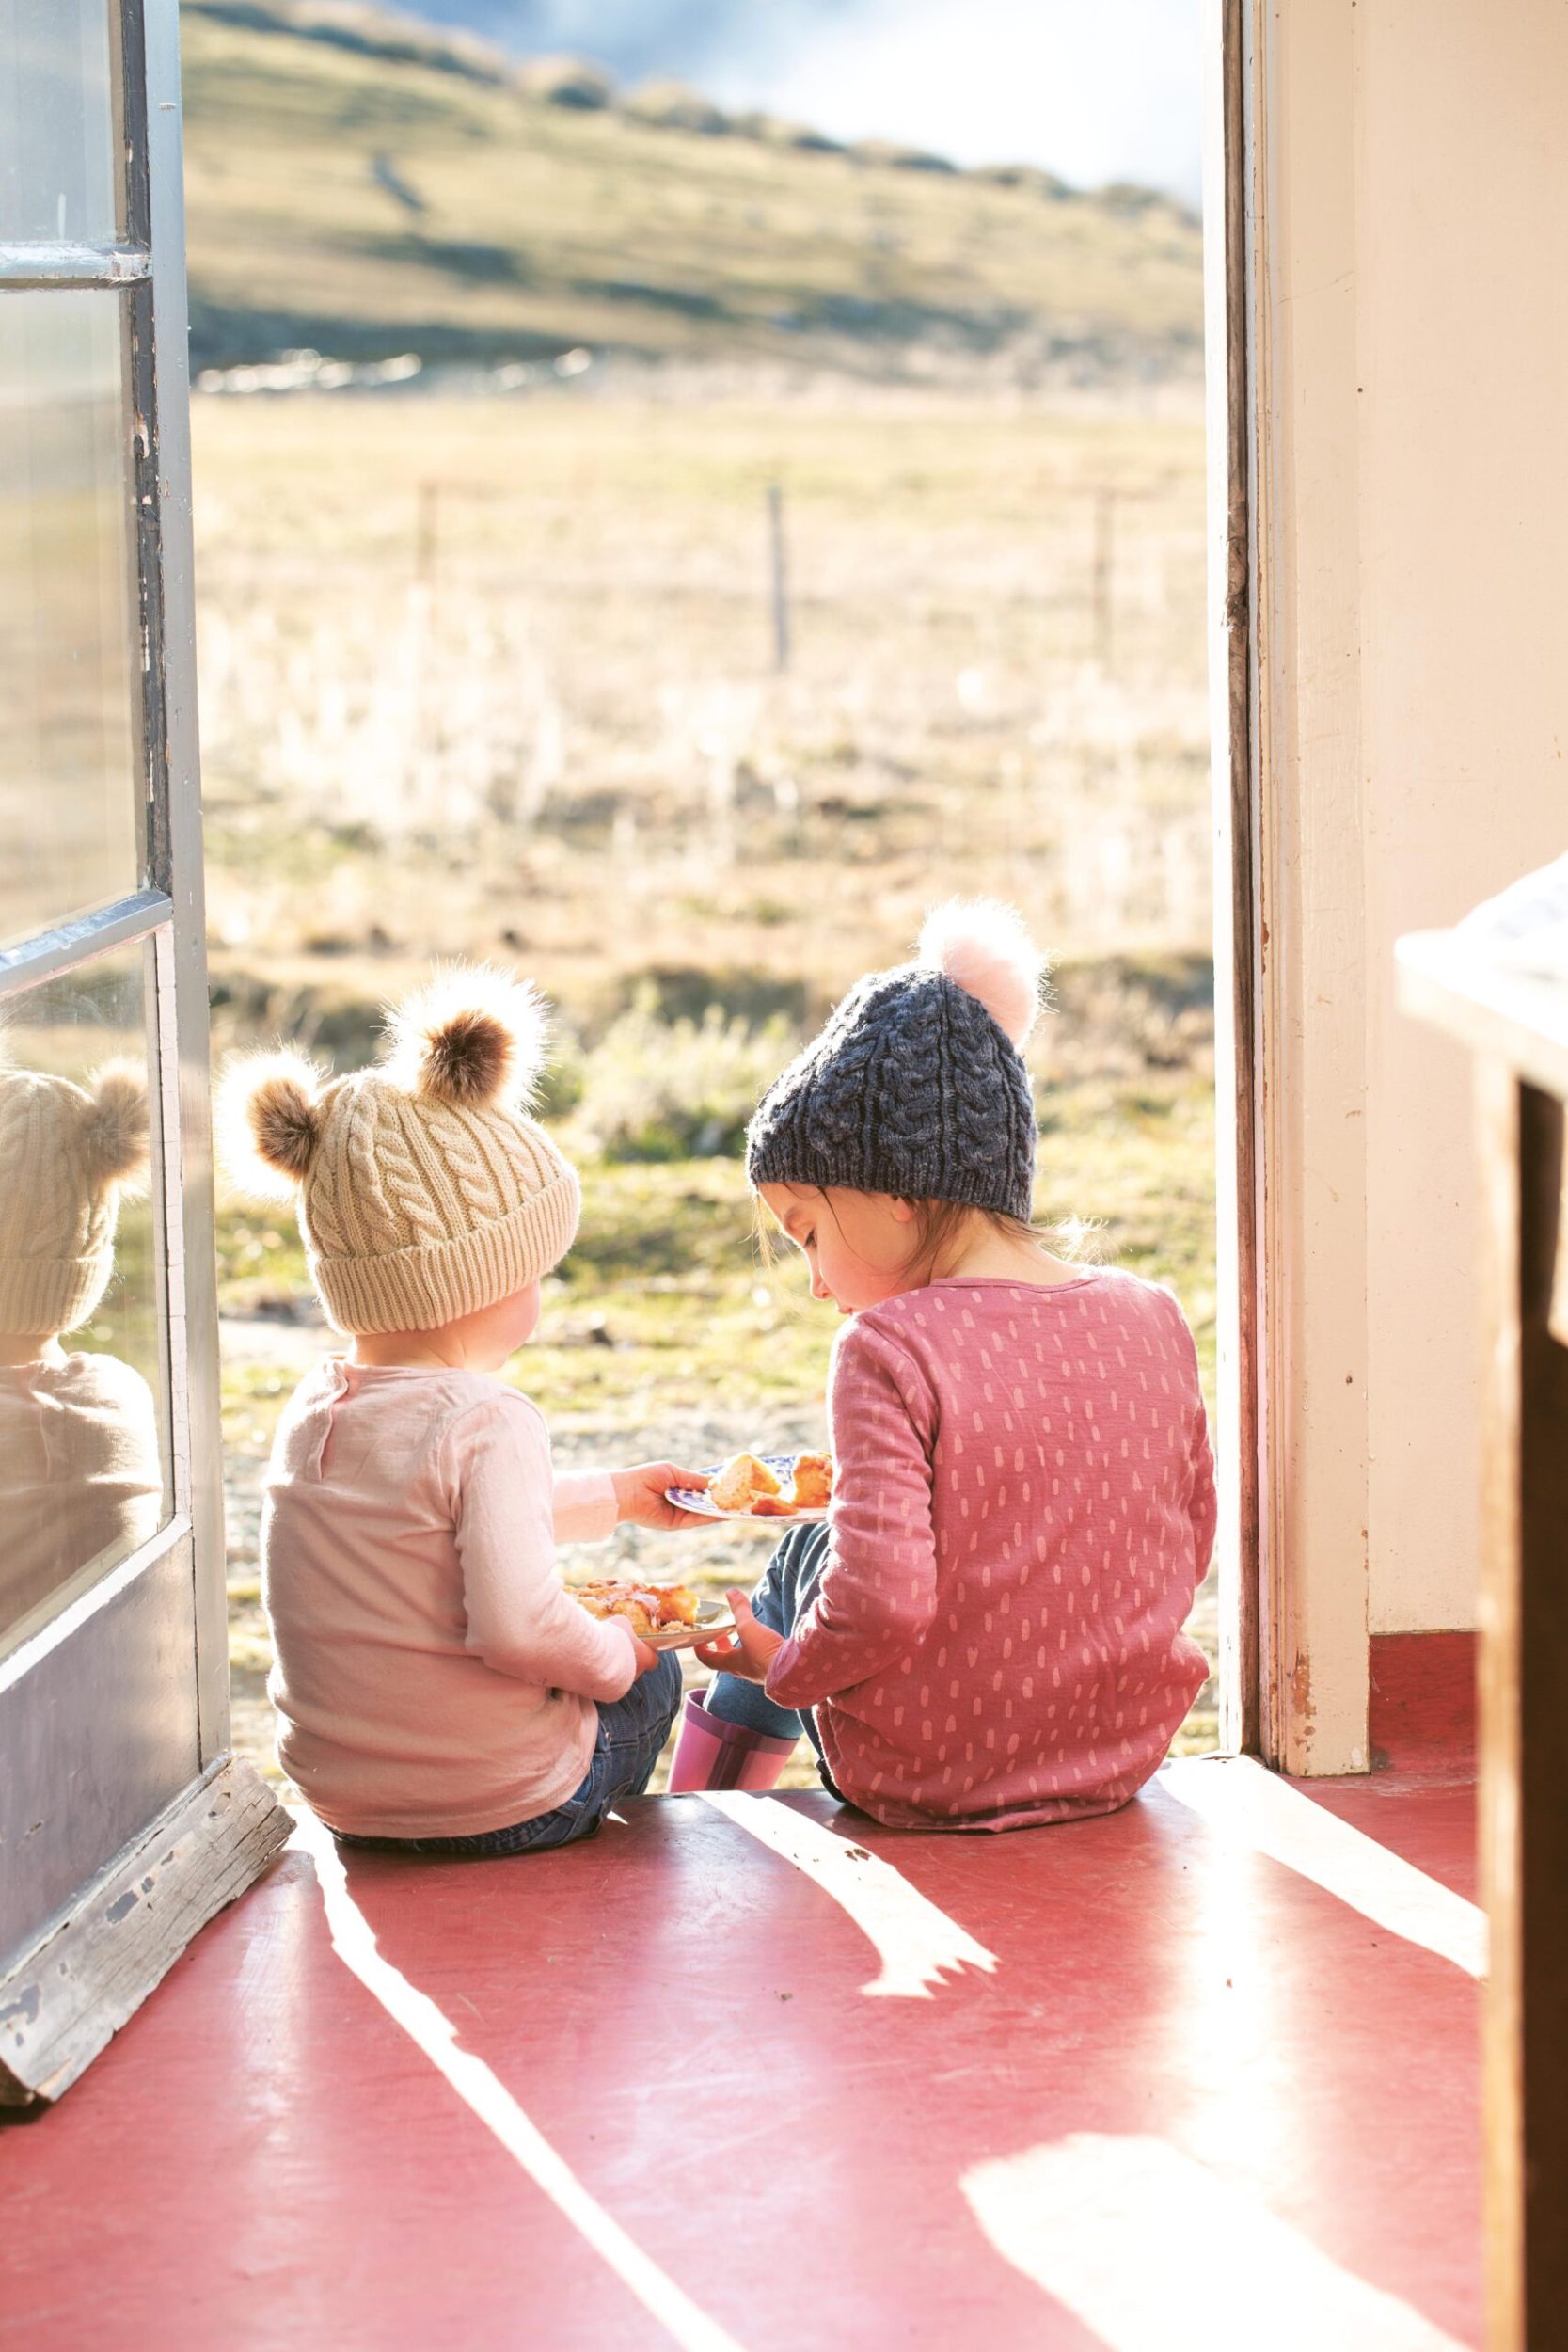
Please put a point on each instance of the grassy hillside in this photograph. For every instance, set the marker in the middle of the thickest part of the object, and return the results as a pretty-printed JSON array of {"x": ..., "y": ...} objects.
[{"x": 369, "y": 194}]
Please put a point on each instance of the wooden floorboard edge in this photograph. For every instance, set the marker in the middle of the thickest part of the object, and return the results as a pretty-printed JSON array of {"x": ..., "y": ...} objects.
[{"x": 64, "y": 2001}]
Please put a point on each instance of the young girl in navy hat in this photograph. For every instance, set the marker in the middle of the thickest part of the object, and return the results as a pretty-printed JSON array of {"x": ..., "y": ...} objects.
[{"x": 988, "y": 1631}]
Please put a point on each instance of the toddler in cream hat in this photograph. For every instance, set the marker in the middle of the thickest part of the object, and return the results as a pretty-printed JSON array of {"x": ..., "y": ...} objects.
[{"x": 435, "y": 1683}]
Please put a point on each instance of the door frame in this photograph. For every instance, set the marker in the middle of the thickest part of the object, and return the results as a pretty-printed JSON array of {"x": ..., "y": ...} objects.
[{"x": 1246, "y": 1645}]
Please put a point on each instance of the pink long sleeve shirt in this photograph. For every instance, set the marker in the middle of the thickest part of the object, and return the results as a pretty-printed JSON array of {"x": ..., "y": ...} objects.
[
  {"x": 1023, "y": 1505},
  {"x": 433, "y": 1677}
]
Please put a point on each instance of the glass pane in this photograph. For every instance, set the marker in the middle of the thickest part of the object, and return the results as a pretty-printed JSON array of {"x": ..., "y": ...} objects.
[
  {"x": 57, "y": 175},
  {"x": 71, "y": 833},
  {"x": 84, "y": 1393}
]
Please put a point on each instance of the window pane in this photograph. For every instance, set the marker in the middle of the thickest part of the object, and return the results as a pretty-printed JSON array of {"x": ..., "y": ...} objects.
[
  {"x": 58, "y": 176},
  {"x": 70, "y": 828},
  {"x": 83, "y": 1395}
]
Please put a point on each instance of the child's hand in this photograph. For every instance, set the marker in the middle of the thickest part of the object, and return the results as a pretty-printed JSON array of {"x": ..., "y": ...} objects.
[
  {"x": 749, "y": 1650},
  {"x": 647, "y": 1657},
  {"x": 639, "y": 1497}
]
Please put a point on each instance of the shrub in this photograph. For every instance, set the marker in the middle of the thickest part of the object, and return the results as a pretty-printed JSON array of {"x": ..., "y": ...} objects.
[
  {"x": 773, "y": 131},
  {"x": 659, "y": 1090},
  {"x": 891, "y": 155},
  {"x": 1029, "y": 175},
  {"x": 671, "y": 107},
  {"x": 1128, "y": 196},
  {"x": 566, "y": 81}
]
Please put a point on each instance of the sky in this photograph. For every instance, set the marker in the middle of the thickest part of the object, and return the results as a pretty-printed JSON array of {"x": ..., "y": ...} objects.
[{"x": 1094, "y": 89}]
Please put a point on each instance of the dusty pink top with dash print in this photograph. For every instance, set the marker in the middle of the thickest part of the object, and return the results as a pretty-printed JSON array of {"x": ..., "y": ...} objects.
[{"x": 1023, "y": 1506}]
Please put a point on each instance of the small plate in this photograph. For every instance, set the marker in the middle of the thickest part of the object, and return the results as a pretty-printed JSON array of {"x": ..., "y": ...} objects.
[
  {"x": 782, "y": 1467},
  {"x": 713, "y": 1616}
]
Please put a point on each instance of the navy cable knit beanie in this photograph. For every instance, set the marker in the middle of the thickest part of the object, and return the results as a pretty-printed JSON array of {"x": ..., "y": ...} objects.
[{"x": 916, "y": 1084}]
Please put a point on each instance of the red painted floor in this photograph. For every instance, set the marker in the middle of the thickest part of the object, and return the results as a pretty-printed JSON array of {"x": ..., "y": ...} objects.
[
  {"x": 1420, "y": 1800},
  {"x": 1423, "y": 1704},
  {"x": 1187, "y": 2059}
]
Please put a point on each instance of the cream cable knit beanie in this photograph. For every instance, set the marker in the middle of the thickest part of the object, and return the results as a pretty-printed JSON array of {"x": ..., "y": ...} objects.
[
  {"x": 67, "y": 1153},
  {"x": 425, "y": 1189}
]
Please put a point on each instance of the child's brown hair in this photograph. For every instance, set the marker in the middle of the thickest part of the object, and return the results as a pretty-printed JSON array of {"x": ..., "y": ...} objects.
[{"x": 936, "y": 1223}]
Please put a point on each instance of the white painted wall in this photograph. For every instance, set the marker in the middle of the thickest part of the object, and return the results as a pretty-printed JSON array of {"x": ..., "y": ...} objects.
[
  {"x": 1462, "y": 201},
  {"x": 1410, "y": 186}
]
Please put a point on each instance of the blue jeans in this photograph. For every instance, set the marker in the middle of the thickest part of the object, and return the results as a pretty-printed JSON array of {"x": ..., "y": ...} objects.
[
  {"x": 632, "y": 1731},
  {"x": 787, "y": 1589}
]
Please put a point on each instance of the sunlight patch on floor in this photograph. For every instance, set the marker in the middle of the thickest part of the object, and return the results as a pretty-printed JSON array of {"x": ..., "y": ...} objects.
[
  {"x": 1244, "y": 1803},
  {"x": 1110, "y": 2227},
  {"x": 353, "y": 1941},
  {"x": 916, "y": 1943}
]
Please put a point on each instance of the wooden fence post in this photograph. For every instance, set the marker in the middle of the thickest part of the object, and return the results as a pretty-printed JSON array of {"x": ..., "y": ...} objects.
[
  {"x": 779, "y": 576},
  {"x": 1104, "y": 563}
]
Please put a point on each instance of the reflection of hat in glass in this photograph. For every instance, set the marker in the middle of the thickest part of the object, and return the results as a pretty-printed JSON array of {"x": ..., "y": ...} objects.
[{"x": 67, "y": 1153}]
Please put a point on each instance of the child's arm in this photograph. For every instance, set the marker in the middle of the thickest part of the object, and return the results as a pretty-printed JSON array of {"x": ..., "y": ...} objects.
[
  {"x": 878, "y": 1588},
  {"x": 521, "y": 1619},
  {"x": 589, "y": 1504},
  {"x": 583, "y": 1506}
]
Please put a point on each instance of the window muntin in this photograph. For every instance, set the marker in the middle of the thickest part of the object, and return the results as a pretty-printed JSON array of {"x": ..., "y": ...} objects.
[
  {"x": 72, "y": 824},
  {"x": 60, "y": 180},
  {"x": 84, "y": 1439}
]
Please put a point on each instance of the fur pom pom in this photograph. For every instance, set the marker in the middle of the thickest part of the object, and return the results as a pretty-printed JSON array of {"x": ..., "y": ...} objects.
[
  {"x": 269, "y": 1121},
  {"x": 984, "y": 946},
  {"x": 474, "y": 1036},
  {"x": 116, "y": 1130}
]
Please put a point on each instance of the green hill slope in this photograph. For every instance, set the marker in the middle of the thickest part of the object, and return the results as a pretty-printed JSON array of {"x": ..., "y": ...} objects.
[{"x": 358, "y": 185}]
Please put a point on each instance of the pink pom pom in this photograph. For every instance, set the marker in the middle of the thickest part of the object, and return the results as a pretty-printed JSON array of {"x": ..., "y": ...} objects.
[{"x": 983, "y": 946}]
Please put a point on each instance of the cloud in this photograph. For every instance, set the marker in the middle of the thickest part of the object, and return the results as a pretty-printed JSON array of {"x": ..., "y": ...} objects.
[
  {"x": 1096, "y": 89},
  {"x": 638, "y": 38}
]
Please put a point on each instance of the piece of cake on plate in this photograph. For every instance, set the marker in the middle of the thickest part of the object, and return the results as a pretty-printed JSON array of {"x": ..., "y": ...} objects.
[
  {"x": 648, "y": 1609},
  {"x": 814, "y": 1481},
  {"x": 742, "y": 1484}
]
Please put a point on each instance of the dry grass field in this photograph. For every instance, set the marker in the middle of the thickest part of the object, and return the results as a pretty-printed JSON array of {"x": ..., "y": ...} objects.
[
  {"x": 500, "y": 676},
  {"x": 497, "y": 677}
]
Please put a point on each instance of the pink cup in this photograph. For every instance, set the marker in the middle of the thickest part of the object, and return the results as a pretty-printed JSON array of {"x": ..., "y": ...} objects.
[{"x": 712, "y": 1753}]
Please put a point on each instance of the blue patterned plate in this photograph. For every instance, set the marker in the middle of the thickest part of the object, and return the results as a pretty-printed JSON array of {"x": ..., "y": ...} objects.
[{"x": 782, "y": 1467}]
